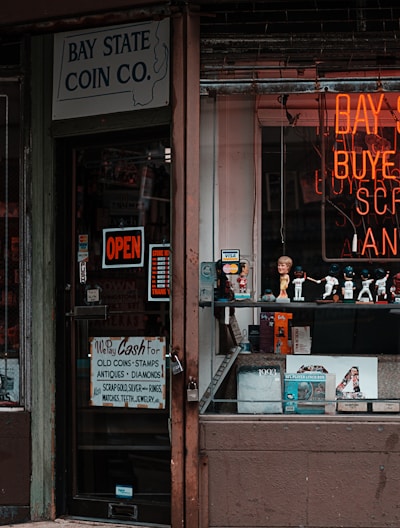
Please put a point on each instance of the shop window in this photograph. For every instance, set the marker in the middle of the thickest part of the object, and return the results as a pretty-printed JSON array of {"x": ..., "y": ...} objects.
[
  {"x": 10, "y": 142},
  {"x": 322, "y": 335}
]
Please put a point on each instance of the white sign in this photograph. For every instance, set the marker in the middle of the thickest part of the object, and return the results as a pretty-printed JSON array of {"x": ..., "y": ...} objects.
[
  {"x": 128, "y": 372},
  {"x": 113, "y": 69},
  {"x": 356, "y": 376}
]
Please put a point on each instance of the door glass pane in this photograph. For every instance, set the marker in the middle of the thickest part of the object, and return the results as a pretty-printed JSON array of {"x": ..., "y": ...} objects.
[
  {"x": 10, "y": 142},
  {"x": 121, "y": 325}
]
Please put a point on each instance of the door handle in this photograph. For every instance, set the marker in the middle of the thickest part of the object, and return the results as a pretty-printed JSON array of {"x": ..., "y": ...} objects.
[{"x": 96, "y": 312}]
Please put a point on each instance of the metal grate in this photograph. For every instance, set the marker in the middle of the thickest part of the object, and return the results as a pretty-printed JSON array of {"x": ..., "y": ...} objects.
[{"x": 334, "y": 33}]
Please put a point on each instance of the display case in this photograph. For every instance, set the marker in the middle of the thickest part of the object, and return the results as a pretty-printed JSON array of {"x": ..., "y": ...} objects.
[
  {"x": 329, "y": 338},
  {"x": 323, "y": 192}
]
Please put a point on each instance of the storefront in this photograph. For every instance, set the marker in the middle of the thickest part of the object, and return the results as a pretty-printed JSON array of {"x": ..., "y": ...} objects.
[
  {"x": 158, "y": 365},
  {"x": 299, "y": 159},
  {"x": 94, "y": 365}
]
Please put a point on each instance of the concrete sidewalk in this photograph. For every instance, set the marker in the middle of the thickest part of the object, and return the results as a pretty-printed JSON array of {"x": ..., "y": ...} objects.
[{"x": 76, "y": 523}]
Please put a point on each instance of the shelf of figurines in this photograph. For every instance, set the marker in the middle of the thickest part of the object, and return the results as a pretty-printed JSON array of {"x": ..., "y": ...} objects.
[{"x": 300, "y": 305}]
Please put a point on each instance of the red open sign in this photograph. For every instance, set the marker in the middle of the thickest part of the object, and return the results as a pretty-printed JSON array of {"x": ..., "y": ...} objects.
[{"x": 123, "y": 248}]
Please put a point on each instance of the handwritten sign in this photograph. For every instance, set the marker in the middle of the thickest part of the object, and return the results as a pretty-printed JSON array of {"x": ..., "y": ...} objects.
[
  {"x": 128, "y": 372},
  {"x": 112, "y": 69}
]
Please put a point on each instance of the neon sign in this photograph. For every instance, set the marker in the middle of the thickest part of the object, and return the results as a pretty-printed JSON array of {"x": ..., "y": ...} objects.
[{"x": 363, "y": 176}]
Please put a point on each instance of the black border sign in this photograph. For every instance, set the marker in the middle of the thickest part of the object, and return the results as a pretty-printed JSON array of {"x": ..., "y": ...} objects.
[{"x": 123, "y": 248}]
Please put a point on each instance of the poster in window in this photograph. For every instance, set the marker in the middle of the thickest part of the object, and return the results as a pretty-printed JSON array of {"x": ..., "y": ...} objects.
[{"x": 9, "y": 382}]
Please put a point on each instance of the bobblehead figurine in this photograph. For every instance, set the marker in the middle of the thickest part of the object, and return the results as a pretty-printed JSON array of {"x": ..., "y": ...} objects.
[
  {"x": 331, "y": 284},
  {"x": 348, "y": 285},
  {"x": 299, "y": 278},
  {"x": 365, "y": 295},
  {"x": 381, "y": 278},
  {"x": 284, "y": 264}
]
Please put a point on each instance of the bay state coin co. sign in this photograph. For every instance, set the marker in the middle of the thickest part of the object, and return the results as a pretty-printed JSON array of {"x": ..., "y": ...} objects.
[
  {"x": 128, "y": 372},
  {"x": 112, "y": 69}
]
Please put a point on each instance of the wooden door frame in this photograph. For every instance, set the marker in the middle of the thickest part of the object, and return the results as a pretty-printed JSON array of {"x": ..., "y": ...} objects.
[{"x": 185, "y": 265}]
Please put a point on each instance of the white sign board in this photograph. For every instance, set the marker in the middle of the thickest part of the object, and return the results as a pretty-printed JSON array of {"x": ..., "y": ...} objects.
[
  {"x": 356, "y": 376},
  {"x": 128, "y": 372},
  {"x": 113, "y": 69}
]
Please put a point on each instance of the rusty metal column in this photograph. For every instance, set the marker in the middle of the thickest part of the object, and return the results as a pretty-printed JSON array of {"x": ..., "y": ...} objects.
[{"x": 185, "y": 241}]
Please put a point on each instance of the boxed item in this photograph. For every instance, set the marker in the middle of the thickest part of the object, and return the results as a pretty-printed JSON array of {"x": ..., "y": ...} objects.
[
  {"x": 283, "y": 333},
  {"x": 267, "y": 332},
  {"x": 309, "y": 393},
  {"x": 259, "y": 389}
]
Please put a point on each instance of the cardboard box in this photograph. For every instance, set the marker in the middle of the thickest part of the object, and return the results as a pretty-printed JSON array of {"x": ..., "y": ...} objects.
[
  {"x": 309, "y": 393},
  {"x": 259, "y": 389}
]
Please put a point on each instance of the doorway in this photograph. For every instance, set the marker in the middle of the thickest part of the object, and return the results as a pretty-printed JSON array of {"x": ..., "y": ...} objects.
[{"x": 113, "y": 260}]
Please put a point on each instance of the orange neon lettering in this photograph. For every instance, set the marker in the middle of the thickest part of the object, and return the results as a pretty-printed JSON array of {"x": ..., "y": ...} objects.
[
  {"x": 386, "y": 239},
  {"x": 386, "y": 163},
  {"x": 341, "y": 159},
  {"x": 374, "y": 162},
  {"x": 375, "y": 110},
  {"x": 395, "y": 200},
  {"x": 376, "y": 196},
  {"x": 360, "y": 200},
  {"x": 342, "y": 126},
  {"x": 317, "y": 183},
  {"x": 346, "y": 249},
  {"x": 369, "y": 242},
  {"x": 361, "y": 109}
]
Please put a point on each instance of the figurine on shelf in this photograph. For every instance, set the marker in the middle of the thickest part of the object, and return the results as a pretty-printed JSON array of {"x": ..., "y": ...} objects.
[
  {"x": 242, "y": 279},
  {"x": 348, "y": 285},
  {"x": 395, "y": 289},
  {"x": 268, "y": 296},
  {"x": 365, "y": 294},
  {"x": 284, "y": 264},
  {"x": 381, "y": 278},
  {"x": 299, "y": 278},
  {"x": 243, "y": 292},
  {"x": 331, "y": 284}
]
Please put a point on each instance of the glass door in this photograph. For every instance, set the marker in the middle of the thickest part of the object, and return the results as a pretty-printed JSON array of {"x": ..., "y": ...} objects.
[{"x": 117, "y": 258}]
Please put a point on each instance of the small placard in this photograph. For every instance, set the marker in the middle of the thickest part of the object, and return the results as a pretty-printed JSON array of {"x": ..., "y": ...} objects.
[
  {"x": 230, "y": 259},
  {"x": 92, "y": 295},
  {"x": 385, "y": 406},
  {"x": 352, "y": 406},
  {"x": 123, "y": 491}
]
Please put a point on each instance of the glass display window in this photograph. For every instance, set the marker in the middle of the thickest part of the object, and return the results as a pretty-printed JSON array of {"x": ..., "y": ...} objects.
[{"x": 312, "y": 205}]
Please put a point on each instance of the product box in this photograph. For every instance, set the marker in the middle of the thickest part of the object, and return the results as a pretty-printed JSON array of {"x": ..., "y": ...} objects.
[
  {"x": 309, "y": 393},
  {"x": 259, "y": 389},
  {"x": 254, "y": 337},
  {"x": 283, "y": 333},
  {"x": 267, "y": 320}
]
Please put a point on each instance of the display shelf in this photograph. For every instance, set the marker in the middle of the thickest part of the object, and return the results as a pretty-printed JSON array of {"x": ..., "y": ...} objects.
[{"x": 289, "y": 306}]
